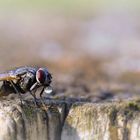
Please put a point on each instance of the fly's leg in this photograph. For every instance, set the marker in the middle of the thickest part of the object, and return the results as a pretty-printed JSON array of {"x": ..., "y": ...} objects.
[
  {"x": 33, "y": 88},
  {"x": 46, "y": 107},
  {"x": 16, "y": 90},
  {"x": 42, "y": 92},
  {"x": 41, "y": 98},
  {"x": 35, "y": 99}
]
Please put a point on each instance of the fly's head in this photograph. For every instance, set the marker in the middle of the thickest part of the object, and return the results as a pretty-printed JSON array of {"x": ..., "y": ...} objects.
[{"x": 43, "y": 77}]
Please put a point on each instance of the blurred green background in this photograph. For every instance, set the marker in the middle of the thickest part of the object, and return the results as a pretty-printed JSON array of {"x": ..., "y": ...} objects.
[
  {"x": 82, "y": 6},
  {"x": 88, "y": 36}
]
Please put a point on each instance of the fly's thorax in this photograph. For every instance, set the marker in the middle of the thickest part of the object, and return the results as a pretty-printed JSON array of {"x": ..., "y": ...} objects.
[{"x": 26, "y": 81}]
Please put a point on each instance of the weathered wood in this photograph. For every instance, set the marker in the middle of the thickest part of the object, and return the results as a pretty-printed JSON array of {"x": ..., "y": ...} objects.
[{"x": 70, "y": 119}]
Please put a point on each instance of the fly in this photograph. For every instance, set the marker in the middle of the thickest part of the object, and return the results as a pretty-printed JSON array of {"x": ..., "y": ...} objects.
[{"x": 27, "y": 79}]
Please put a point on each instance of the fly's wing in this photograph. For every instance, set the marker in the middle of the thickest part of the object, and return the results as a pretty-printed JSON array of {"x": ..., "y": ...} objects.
[
  {"x": 16, "y": 74},
  {"x": 7, "y": 77}
]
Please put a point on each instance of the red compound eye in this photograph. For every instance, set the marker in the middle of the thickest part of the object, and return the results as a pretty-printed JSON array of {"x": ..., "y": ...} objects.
[{"x": 41, "y": 76}]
